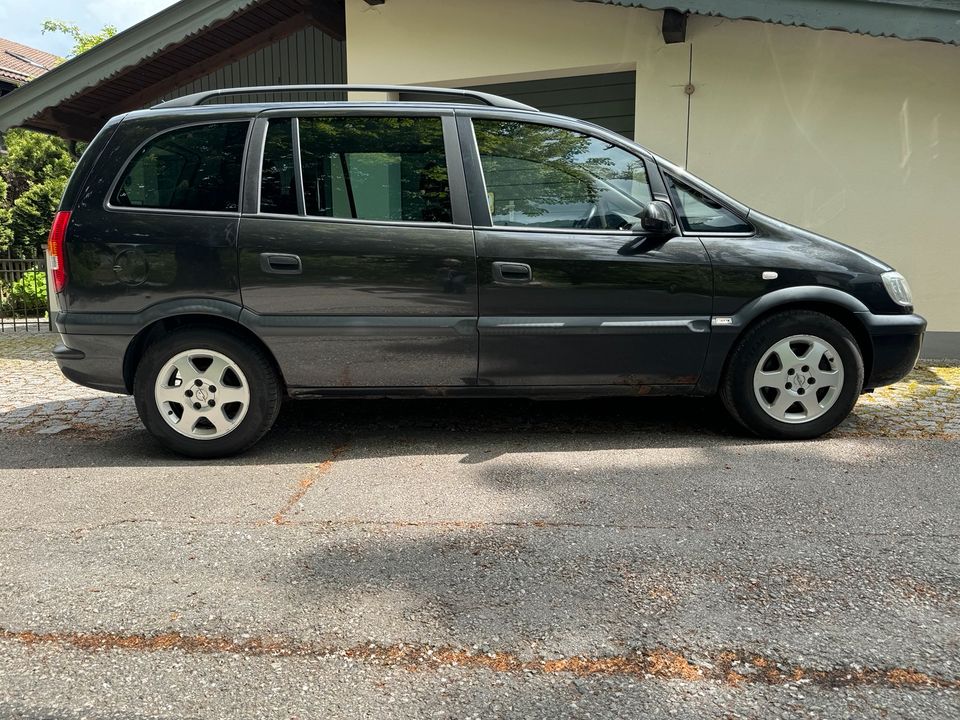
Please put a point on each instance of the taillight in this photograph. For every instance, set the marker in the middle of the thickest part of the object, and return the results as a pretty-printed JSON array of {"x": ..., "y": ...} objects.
[{"x": 56, "y": 249}]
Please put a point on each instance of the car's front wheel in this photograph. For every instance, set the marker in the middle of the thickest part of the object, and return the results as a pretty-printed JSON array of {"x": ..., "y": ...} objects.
[
  {"x": 204, "y": 393},
  {"x": 795, "y": 375}
]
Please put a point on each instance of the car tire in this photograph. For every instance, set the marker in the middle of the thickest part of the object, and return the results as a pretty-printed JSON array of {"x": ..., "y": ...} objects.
[
  {"x": 794, "y": 376},
  {"x": 204, "y": 393}
]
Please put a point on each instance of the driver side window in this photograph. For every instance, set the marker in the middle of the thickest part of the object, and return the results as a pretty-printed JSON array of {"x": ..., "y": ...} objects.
[{"x": 540, "y": 176}]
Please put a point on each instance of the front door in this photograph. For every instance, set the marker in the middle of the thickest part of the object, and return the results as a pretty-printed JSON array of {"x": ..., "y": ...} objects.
[
  {"x": 357, "y": 266},
  {"x": 569, "y": 294}
]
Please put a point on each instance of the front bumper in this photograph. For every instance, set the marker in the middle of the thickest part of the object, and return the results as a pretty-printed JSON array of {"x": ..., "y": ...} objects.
[{"x": 896, "y": 341}]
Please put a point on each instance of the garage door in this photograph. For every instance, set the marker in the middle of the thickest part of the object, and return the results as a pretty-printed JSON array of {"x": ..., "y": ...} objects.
[{"x": 606, "y": 99}]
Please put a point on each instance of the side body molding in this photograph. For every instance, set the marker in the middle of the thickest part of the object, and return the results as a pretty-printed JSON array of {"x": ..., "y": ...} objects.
[{"x": 129, "y": 324}]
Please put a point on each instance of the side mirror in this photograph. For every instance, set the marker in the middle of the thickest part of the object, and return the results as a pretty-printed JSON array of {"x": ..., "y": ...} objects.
[{"x": 657, "y": 218}]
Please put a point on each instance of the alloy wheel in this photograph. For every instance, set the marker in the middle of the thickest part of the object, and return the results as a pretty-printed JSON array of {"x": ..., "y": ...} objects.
[
  {"x": 798, "y": 379},
  {"x": 202, "y": 394}
]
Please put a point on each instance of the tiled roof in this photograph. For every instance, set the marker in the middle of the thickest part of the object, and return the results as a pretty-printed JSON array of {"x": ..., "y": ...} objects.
[{"x": 20, "y": 63}]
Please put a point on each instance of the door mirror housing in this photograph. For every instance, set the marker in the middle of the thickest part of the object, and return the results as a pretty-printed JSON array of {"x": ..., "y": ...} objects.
[{"x": 657, "y": 218}]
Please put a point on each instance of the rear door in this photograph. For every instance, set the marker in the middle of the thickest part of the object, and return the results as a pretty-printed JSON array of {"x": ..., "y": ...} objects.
[
  {"x": 569, "y": 294},
  {"x": 357, "y": 258}
]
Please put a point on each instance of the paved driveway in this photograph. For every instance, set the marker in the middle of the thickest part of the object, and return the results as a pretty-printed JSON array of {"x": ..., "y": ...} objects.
[{"x": 478, "y": 559}]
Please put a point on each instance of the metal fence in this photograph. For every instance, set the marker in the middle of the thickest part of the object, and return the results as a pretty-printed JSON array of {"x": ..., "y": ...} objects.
[{"x": 23, "y": 295}]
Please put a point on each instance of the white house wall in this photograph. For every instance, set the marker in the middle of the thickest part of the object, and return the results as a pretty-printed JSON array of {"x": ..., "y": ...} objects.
[{"x": 854, "y": 137}]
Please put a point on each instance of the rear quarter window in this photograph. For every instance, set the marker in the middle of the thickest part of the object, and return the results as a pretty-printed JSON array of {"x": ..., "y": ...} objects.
[{"x": 191, "y": 168}]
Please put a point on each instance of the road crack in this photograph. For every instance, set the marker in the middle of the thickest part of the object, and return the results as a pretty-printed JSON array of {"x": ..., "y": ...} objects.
[{"x": 282, "y": 517}]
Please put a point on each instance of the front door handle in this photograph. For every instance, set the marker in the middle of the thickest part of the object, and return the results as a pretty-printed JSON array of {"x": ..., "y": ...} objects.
[
  {"x": 512, "y": 272},
  {"x": 280, "y": 264}
]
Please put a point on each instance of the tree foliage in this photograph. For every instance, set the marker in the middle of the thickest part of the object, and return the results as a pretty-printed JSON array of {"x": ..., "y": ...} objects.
[
  {"x": 6, "y": 234},
  {"x": 28, "y": 294},
  {"x": 35, "y": 167},
  {"x": 81, "y": 41},
  {"x": 33, "y": 213},
  {"x": 34, "y": 171}
]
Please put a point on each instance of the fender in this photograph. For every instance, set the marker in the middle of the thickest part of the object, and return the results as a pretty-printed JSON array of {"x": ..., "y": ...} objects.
[
  {"x": 96, "y": 347},
  {"x": 786, "y": 296},
  {"x": 724, "y": 334},
  {"x": 130, "y": 324}
]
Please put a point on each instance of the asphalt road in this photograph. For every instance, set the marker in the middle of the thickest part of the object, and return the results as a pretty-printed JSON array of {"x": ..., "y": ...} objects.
[{"x": 470, "y": 559}]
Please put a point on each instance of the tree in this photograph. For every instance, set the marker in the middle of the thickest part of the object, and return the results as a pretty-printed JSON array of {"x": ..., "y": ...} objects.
[
  {"x": 6, "y": 234},
  {"x": 34, "y": 172},
  {"x": 33, "y": 212},
  {"x": 35, "y": 167},
  {"x": 81, "y": 41}
]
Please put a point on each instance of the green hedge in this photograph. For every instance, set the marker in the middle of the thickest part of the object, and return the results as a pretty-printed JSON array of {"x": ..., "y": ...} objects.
[{"x": 28, "y": 294}]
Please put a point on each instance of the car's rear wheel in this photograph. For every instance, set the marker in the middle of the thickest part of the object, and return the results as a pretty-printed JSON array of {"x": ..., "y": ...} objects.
[
  {"x": 204, "y": 393},
  {"x": 795, "y": 375}
]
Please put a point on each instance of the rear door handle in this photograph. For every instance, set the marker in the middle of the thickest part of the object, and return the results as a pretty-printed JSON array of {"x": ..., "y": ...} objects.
[
  {"x": 512, "y": 272},
  {"x": 280, "y": 264}
]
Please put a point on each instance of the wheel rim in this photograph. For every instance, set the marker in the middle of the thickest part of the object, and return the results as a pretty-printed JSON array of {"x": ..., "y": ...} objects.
[
  {"x": 798, "y": 379},
  {"x": 202, "y": 394}
]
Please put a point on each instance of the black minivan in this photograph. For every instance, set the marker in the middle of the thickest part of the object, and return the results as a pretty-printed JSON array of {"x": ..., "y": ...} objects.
[{"x": 212, "y": 258}]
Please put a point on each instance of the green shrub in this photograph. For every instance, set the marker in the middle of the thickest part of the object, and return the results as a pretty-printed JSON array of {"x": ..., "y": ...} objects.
[{"x": 28, "y": 294}]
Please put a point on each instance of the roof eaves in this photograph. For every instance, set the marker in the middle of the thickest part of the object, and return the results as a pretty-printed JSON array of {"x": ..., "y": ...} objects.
[
  {"x": 123, "y": 50},
  {"x": 934, "y": 20}
]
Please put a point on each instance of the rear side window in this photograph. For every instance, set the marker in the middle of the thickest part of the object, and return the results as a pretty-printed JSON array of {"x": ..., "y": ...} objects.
[
  {"x": 540, "y": 176},
  {"x": 191, "y": 168},
  {"x": 375, "y": 168},
  {"x": 701, "y": 213}
]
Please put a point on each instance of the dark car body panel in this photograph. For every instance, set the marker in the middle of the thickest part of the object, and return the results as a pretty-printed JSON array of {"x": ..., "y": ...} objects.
[
  {"x": 127, "y": 259},
  {"x": 800, "y": 258},
  {"x": 599, "y": 309},
  {"x": 391, "y": 314},
  {"x": 405, "y": 309}
]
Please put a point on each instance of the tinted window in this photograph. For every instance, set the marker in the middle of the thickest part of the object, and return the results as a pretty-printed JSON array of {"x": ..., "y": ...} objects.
[
  {"x": 542, "y": 176},
  {"x": 193, "y": 168},
  {"x": 375, "y": 168},
  {"x": 278, "y": 190},
  {"x": 700, "y": 213}
]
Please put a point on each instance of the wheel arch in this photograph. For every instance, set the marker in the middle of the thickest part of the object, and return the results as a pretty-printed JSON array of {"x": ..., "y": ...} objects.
[
  {"x": 170, "y": 323},
  {"x": 840, "y": 306}
]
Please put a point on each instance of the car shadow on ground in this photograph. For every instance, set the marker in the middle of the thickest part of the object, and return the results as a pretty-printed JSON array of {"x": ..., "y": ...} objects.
[{"x": 306, "y": 429}]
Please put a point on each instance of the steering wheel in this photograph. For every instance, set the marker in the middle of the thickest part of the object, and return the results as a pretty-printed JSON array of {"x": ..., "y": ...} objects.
[{"x": 598, "y": 207}]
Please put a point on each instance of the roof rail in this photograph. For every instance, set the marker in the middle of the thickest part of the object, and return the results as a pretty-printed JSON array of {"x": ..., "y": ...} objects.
[{"x": 488, "y": 99}]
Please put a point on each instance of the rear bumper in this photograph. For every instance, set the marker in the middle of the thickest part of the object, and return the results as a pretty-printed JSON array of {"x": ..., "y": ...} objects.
[
  {"x": 896, "y": 341},
  {"x": 95, "y": 361}
]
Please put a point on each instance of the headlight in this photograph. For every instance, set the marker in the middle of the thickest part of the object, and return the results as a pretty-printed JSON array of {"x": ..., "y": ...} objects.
[{"x": 897, "y": 288}]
